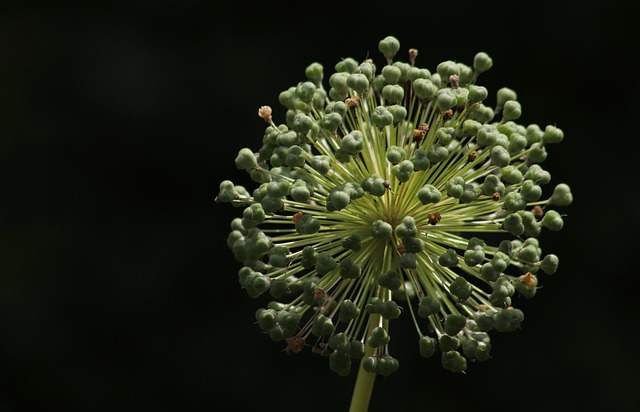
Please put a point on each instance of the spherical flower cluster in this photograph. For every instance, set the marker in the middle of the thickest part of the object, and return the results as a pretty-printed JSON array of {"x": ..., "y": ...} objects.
[{"x": 388, "y": 192}]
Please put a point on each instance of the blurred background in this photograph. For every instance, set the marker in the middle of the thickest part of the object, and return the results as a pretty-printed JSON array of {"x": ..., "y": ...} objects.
[{"x": 119, "y": 120}]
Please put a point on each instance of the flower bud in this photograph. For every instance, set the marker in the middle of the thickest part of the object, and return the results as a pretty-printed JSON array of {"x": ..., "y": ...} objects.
[
  {"x": 482, "y": 62},
  {"x": 389, "y": 46}
]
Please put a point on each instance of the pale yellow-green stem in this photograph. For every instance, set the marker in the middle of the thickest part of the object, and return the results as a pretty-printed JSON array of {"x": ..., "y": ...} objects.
[{"x": 364, "y": 381}]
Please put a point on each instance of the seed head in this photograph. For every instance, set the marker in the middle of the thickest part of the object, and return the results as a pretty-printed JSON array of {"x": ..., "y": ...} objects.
[{"x": 389, "y": 186}]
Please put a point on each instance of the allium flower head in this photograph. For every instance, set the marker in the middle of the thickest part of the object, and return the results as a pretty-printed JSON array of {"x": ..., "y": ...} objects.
[{"x": 394, "y": 191}]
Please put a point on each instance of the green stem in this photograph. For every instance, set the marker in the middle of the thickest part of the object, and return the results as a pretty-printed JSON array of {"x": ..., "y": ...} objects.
[{"x": 364, "y": 382}]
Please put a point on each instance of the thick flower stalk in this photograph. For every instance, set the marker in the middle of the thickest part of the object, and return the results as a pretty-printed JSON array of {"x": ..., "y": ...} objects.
[{"x": 389, "y": 192}]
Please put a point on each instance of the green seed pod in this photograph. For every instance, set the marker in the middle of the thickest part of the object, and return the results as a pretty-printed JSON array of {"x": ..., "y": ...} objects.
[
  {"x": 392, "y": 93},
  {"x": 413, "y": 245},
  {"x": 513, "y": 224},
  {"x": 395, "y": 154},
  {"x": 511, "y": 175},
  {"x": 500, "y": 156},
  {"x": 403, "y": 170},
  {"x": 427, "y": 346},
  {"x": 437, "y": 153},
  {"x": 514, "y": 201},
  {"x": 302, "y": 123},
  {"x": 429, "y": 194},
  {"x": 552, "y": 134},
  {"x": 549, "y": 264},
  {"x": 446, "y": 99},
  {"x": 288, "y": 98},
  {"x": 425, "y": 89},
  {"x": 389, "y": 46},
  {"x": 486, "y": 136},
  {"x": 420, "y": 160},
  {"x": 469, "y": 348},
  {"x": 253, "y": 215},
  {"x": 287, "y": 139},
  {"x": 469, "y": 193},
  {"x": 318, "y": 101},
  {"x": 370, "y": 364},
  {"x": 407, "y": 228},
  {"x": 366, "y": 68},
  {"x": 504, "y": 95},
  {"x": 322, "y": 326},
  {"x": 390, "y": 310},
  {"x": 266, "y": 318},
  {"x": 462, "y": 97},
  {"x": 246, "y": 159},
  {"x": 381, "y": 117},
  {"x": 449, "y": 258},
  {"x": 481, "y": 113},
  {"x": 279, "y": 288},
  {"x": 552, "y": 220},
  {"x": 348, "y": 311},
  {"x": 276, "y": 333},
  {"x": 482, "y": 62},
  {"x": 348, "y": 269},
  {"x": 561, "y": 195},
  {"x": 309, "y": 257},
  {"x": 337, "y": 199},
  {"x": 321, "y": 163},
  {"x": 416, "y": 73},
  {"x": 517, "y": 143},
  {"x": 428, "y": 306},
  {"x": 352, "y": 242},
  {"x": 473, "y": 257},
  {"x": 408, "y": 261},
  {"x": 300, "y": 192},
  {"x": 512, "y": 110},
  {"x": 338, "y": 82},
  {"x": 507, "y": 320},
  {"x": 325, "y": 263},
  {"x": 537, "y": 153},
  {"x": 234, "y": 236},
  {"x": 391, "y": 280},
  {"x": 339, "y": 342},
  {"x": 227, "y": 192},
  {"x": 307, "y": 225},
  {"x": 381, "y": 229},
  {"x": 347, "y": 65},
  {"x": 477, "y": 93},
  {"x": 455, "y": 187},
  {"x": 484, "y": 323},
  {"x": 448, "y": 343},
  {"x": 340, "y": 363},
  {"x": 378, "y": 83},
  {"x": 466, "y": 74},
  {"x": 305, "y": 90},
  {"x": 399, "y": 113},
  {"x": 314, "y": 72},
  {"x": 278, "y": 188},
  {"x": 353, "y": 143},
  {"x": 404, "y": 71},
  {"x": 387, "y": 365},
  {"x": 537, "y": 175},
  {"x": 296, "y": 157},
  {"x": 453, "y": 324},
  {"x": 454, "y": 361},
  {"x": 374, "y": 185},
  {"x": 378, "y": 337},
  {"x": 391, "y": 74},
  {"x": 460, "y": 288},
  {"x": 502, "y": 288},
  {"x": 278, "y": 256},
  {"x": 358, "y": 82},
  {"x": 257, "y": 284},
  {"x": 448, "y": 68},
  {"x": 356, "y": 349},
  {"x": 491, "y": 185}
]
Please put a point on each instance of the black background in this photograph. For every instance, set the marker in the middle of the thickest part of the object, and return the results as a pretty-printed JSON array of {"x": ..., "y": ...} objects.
[{"x": 119, "y": 120}]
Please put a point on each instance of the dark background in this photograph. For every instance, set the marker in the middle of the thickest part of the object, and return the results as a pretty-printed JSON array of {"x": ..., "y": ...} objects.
[{"x": 119, "y": 120}]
